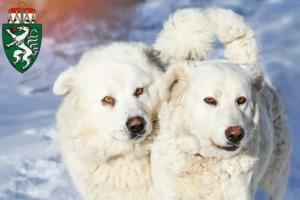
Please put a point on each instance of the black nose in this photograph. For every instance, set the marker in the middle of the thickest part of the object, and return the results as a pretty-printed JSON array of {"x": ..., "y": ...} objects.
[
  {"x": 234, "y": 134},
  {"x": 136, "y": 125}
]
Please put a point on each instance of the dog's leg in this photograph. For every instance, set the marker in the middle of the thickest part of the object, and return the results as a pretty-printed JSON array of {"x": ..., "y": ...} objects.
[
  {"x": 165, "y": 176},
  {"x": 175, "y": 169}
]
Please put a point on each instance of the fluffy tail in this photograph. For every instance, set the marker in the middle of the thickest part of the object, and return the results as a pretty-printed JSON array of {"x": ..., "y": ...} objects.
[
  {"x": 237, "y": 36},
  {"x": 188, "y": 34}
]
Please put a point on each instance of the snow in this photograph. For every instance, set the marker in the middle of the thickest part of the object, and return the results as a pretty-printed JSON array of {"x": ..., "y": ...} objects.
[{"x": 30, "y": 161}]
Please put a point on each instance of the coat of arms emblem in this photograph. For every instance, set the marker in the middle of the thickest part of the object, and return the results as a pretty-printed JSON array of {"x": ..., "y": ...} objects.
[{"x": 22, "y": 37}]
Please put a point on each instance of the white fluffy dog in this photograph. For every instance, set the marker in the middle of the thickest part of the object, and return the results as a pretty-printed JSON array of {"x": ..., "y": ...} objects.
[
  {"x": 107, "y": 121},
  {"x": 222, "y": 129}
]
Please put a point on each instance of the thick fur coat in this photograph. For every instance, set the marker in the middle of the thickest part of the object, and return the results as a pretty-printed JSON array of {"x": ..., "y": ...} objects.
[
  {"x": 113, "y": 84},
  {"x": 109, "y": 86},
  {"x": 192, "y": 157}
]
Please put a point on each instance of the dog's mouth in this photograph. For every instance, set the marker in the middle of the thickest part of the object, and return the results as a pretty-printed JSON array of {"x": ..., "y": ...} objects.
[
  {"x": 139, "y": 136},
  {"x": 226, "y": 148}
]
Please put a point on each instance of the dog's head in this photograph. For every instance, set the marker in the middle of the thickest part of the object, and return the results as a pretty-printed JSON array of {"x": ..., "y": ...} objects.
[
  {"x": 114, "y": 89},
  {"x": 219, "y": 102}
]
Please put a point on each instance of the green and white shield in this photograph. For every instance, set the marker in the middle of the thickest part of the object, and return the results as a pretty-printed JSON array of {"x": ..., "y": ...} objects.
[{"x": 22, "y": 43}]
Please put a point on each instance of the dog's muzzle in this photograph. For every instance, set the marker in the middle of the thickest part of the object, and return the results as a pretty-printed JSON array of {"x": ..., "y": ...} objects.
[
  {"x": 229, "y": 147},
  {"x": 234, "y": 134},
  {"x": 136, "y": 127}
]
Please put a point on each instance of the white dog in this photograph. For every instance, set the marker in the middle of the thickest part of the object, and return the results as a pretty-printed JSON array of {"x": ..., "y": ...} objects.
[
  {"x": 107, "y": 121},
  {"x": 221, "y": 132}
]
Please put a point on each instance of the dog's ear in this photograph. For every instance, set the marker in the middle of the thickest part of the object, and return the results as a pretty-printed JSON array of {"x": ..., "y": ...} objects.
[
  {"x": 64, "y": 82},
  {"x": 174, "y": 82},
  {"x": 256, "y": 75},
  {"x": 152, "y": 53}
]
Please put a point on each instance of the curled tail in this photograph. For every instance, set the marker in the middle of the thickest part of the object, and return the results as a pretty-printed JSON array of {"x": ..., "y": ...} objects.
[
  {"x": 237, "y": 36},
  {"x": 188, "y": 34}
]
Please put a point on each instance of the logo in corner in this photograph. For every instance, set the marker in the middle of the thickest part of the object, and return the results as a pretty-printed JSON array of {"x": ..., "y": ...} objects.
[{"x": 22, "y": 37}]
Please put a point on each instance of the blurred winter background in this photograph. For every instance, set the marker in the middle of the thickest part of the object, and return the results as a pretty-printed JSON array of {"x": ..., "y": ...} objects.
[{"x": 30, "y": 162}]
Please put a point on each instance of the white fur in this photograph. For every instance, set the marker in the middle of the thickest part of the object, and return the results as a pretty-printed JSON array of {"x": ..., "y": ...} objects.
[
  {"x": 188, "y": 34},
  {"x": 185, "y": 164},
  {"x": 105, "y": 164},
  {"x": 103, "y": 161},
  {"x": 189, "y": 126},
  {"x": 238, "y": 37}
]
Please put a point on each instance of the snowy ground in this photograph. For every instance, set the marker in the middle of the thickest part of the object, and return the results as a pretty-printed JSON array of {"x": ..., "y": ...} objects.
[{"x": 30, "y": 163}]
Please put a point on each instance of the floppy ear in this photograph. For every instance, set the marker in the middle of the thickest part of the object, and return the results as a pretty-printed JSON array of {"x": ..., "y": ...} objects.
[
  {"x": 174, "y": 82},
  {"x": 64, "y": 82},
  {"x": 256, "y": 75},
  {"x": 152, "y": 53}
]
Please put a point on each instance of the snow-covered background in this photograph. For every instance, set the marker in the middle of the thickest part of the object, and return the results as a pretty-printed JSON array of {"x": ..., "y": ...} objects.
[{"x": 30, "y": 162}]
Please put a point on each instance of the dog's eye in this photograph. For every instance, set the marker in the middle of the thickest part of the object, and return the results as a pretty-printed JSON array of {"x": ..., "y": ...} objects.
[
  {"x": 138, "y": 91},
  {"x": 241, "y": 100},
  {"x": 210, "y": 101},
  {"x": 108, "y": 100}
]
